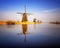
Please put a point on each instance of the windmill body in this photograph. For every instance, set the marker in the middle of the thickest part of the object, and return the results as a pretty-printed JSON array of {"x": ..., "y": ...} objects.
[{"x": 24, "y": 18}]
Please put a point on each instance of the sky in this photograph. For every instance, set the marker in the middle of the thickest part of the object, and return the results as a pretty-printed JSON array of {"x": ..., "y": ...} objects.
[{"x": 44, "y": 10}]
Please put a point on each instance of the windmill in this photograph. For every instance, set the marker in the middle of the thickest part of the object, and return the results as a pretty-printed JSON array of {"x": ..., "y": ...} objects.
[
  {"x": 25, "y": 14},
  {"x": 24, "y": 26},
  {"x": 24, "y": 31}
]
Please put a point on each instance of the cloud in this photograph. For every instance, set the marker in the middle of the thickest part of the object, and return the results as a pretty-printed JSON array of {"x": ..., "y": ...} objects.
[
  {"x": 52, "y": 10},
  {"x": 9, "y": 15},
  {"x": 44, "y": 15},
  {"x": 49, "y": 15}
]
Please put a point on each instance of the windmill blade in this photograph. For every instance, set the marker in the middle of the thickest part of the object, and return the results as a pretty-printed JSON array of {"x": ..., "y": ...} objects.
[
  {"x": 29, "y": 14},
  {"x": 19, "y": 13}
]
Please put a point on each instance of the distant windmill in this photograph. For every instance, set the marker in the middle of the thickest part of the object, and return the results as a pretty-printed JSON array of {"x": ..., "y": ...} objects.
[{"x": 24, "y": 18}]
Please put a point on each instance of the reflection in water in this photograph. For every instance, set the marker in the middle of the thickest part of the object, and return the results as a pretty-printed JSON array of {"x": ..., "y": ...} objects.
[
  {"x": 34, "y": 26},
  {"x": 24, "y": 28},
  {"x": 10, "y": 26},
  {"x": 42, "y": 33}
]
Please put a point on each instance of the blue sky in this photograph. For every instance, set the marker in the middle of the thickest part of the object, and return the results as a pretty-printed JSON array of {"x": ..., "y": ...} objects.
[
  {"x": 37, "y": 4},
  {"x": 33, "y": 6}
]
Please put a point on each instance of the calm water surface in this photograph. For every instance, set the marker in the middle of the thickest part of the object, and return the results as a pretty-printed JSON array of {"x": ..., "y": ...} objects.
[{"x": 30, "y": 35}]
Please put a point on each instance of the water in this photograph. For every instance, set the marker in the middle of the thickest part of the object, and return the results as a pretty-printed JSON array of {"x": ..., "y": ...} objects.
[{"x": 32, "y": 35}]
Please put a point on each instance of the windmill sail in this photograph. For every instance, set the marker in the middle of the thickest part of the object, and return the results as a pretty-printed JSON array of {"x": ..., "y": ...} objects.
[{"x": 25, "y": 8}]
